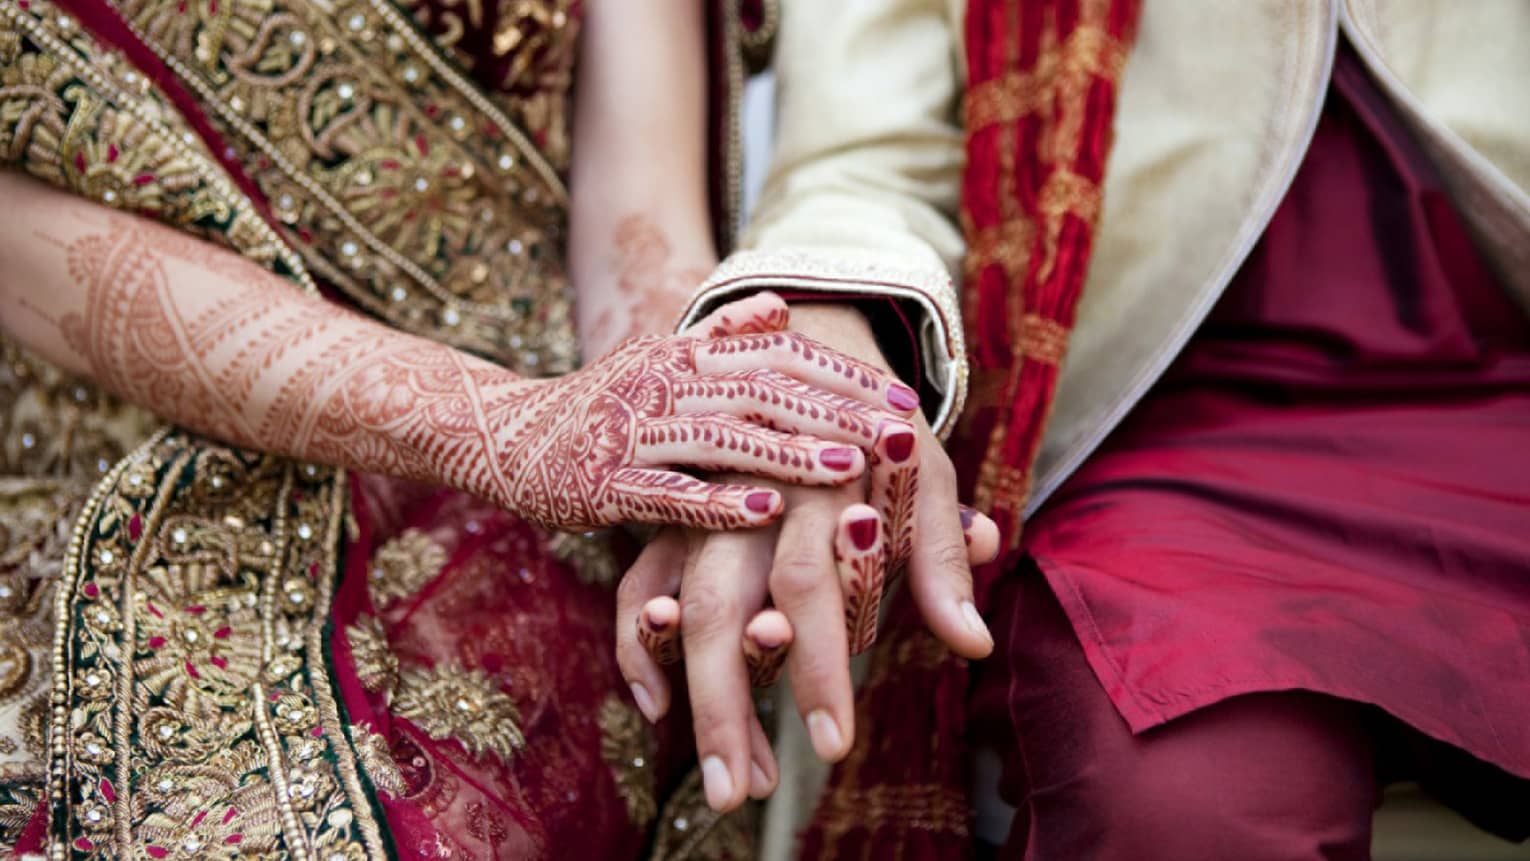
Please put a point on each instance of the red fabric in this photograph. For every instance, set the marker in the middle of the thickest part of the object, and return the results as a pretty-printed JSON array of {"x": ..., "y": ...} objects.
[
  {"x": 504, "y": 607},
  {"x": 1265, "y": 777},
  {"x": 1329, "y": 491}
]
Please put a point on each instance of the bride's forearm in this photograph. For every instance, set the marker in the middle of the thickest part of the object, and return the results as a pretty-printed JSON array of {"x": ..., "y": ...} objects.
[
  {"x": 215, "y": 343},
  {"x": 640, "y": 236}
]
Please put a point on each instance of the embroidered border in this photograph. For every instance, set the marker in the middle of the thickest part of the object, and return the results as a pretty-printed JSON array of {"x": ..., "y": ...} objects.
[{"x": 191, "y": 664}]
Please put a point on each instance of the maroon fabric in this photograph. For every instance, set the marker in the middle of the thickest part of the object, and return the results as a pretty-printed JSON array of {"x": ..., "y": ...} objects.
[
  {"x": 1329, "y": 491},
  {"x": 1267, "y": 776}
]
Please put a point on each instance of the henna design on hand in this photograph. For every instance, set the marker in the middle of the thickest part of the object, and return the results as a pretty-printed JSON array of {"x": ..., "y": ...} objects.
[
  {"x": 766, "y": 641},
  {"x": 658, "y": 629},
  {"x": 250, "y": 361},
  {"x": 860, "y": 557}
]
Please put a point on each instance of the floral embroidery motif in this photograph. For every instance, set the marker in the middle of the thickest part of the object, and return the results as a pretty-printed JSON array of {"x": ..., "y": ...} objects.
[
  {"x": 204, "y": 718},
  {"x": 376, "y": 665},
  {"x": 466, "y": 705},
  {"x": 402, "y": 566},
  {"x": 627, "y": 746}
]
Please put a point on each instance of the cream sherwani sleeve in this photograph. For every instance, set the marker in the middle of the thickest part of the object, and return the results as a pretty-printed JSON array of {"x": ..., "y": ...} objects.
[{"x": 862, "y": 192}]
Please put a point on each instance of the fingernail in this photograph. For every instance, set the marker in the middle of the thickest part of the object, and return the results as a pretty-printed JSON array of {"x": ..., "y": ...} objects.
[
  {"x": 967, "y": 516},
  {"x": 759, "y": 784},
  {"x": 975, "y": 621},
  {"x": 718, "y": 783},
  {"x": 902, "y": 397},
  {"x": 761, "y": 502},
  {"x": 863, "y": 533},
  {"x": 827, "y": 741},
  {"x": 900, "y": 446},
  {"x": 838, "y": 459},
  {"x": 645, "y": 702}
]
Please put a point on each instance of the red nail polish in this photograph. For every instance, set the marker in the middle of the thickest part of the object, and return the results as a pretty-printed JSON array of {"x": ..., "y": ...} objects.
[
  {"x": 837, "y": 459},
  {"x": 900, "y": 446},
  {"x": 761, "y": 502},
  {"x": 967, "y": 517},
  {"x": 902, "y": 397},
  {"x": 863, "y": 533}
]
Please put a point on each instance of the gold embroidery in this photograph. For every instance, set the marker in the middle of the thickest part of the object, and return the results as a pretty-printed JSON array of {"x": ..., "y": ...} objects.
[
  {"x": 376, "y": 665},
  {"x": 83, "y": 119},
  {"x": 1042, "y": 339},
  {"x": 202, "y": 713},
  {"x": 399, "y": 181},
  {"x": 590, "y": 555},
  {"x": 466, "y": 705},
  {"x": 1088, "y": 51},
  {"x": 34, "y": 518},
  {"x": 627, "y": 746},
  {"x": 376, "y": 760},
  {"x": 402, "y": 566},
  {"x": 689, "y": 830}
]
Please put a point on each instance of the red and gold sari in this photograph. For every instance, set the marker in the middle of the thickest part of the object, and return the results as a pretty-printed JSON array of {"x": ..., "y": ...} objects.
[{"x": 209, "y": 652}]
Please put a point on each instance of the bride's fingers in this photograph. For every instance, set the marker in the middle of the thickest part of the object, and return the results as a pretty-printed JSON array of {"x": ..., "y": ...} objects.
[
  {"x": 981, "y": 535},
  {"x": 895, "y": 491},
  {"x": 767, "y": 638},
  {"x": 722, "y": 443},
  {"x": 652, "y": 578},
  {"x": 658, "y": 630},
  {"x": 801, "y": 358},
  {"x": 775, "y": 400},
  {"x": 862, "y": 572},
  {"x": 752, "y": 315},
  {"x": 639, "y": 495}
]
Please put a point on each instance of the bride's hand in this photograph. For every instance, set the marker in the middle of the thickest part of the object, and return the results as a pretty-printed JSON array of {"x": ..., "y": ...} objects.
[
  {"x": 599, "y": 446},
  {"x": 825, "y": 568}
]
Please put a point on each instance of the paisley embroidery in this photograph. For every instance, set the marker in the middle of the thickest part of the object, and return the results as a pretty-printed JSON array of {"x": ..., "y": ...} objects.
[
  {"x": 450, "y": 702},
  {"x": 627, "y": 746},
  {"x": 402, "y": 566},
  {"x": 376, "y": 665},
  {"x": 376, "y": 759}
]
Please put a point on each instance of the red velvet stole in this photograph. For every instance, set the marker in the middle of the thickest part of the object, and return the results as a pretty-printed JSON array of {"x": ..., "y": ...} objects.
[{"x": 1043, "y": 78}]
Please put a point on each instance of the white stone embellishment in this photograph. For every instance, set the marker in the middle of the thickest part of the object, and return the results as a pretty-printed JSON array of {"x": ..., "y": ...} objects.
[
  {"x": 304, "y": 531},
  {"x": 349, "y": 248},
  {"x": 297, "y": 38},
  {"x": 357, "y": 22},
  {"x": 178, "y": 536},
  {"x": 399, "y": 294},
  {"x": 346, "y": 91},
  {"x": 450, "y": 317}
]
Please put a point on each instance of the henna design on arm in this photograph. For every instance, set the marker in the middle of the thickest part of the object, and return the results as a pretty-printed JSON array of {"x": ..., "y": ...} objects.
[
  {"x": 651, "y": 287},
  {"x": 242, "y": 357}
]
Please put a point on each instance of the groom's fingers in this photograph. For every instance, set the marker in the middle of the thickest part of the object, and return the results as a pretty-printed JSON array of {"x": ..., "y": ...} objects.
[{"x": 804, "y": 584}]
